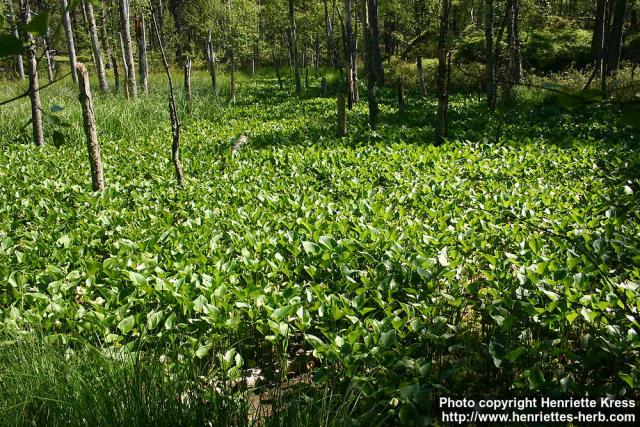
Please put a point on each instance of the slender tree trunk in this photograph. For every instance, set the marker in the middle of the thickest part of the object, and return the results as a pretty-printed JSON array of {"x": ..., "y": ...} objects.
[
  {"x": 354, "y": 56},
  {"x": 276, "y": 65},
  {"x": 348, "y": 56},
  {"x": 141, "y": 40},
  {"x": 489, "y": 54},
  {"x": 95, "y": 161},
  {"x": 46, "y": 41},
  {"x": 125, "y": 68},
  {"x": 211, "y": 62},
  {"x": 329, "y": 28},
  {"x": 615, "y": 39},
  {"x": 402, "y": 106},
  {"x": 34, "y": 85},
  {"x": 105, "y": 37},
  {"x": 128, "y": 52},
  {"x": 375, "y": 41},
  {"x": 342, "y": 116},
  {"x": 95, "y": 46},
  {"x": 173, "y": 113},
  {"x": 442, "y": 86},
  {"x": 421, "y": 82},
  {"x": 370, "y": 65},
  {"x": 316, "y": 57},
  {"x": 232, "y": 81},
  {"x": 187, "y": 77},
  {"x": 19, "y": 61},
  {"x": 71, "y": 47},
  {"x": 294, "y": 48},
  {"x": 305, "y": 64},
  {"x": 598, "y": 35}
]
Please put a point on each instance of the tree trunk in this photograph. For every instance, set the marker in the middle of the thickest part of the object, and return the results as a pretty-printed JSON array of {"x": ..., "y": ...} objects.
[
  {"x": 232, "y": 81},
  {"x": 66, "y": 22},
  {"x": 421, "y": 82},
  {"x": 175, "y": 122},
  {"x": 294, "y": 52},
  {"x": 19, "y": 61},
  {"x": 598, "y": 34},
  {"x": 34, "y": 85},
  {"x": 615, "y": 39},
  {"x": 370, "y": 65},
  {"x": 46, "y": 39},
  {"x": 402, "y": 106},
  {"x": 442, "y": 86},
  {"x": 354, "y": 57},
  {"x": 187, "y": 78},
  {"x": 342, "y": 116},
  {"x": 375, "y": 41},
  {"x": 105, "y": 37},
  {"x": 316, "y": 57},
  {"x": 141, "y": 40},
  {"x": 490, "y": 66},
  {"x": 348, "y": 55},
  {"x": 95, "y": 46},
  {"x": 97, "y": 178},
  {"x": 276, "y": 65},
  {"x": 125, "y": 70},
  {"x": 211, "y": 62},
  {"x": 128, "y": 52},
  {"x": 329, "y": 28}
]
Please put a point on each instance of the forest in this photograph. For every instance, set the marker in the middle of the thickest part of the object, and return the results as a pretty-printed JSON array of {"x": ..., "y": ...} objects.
[{"x": 316, "y": 212}]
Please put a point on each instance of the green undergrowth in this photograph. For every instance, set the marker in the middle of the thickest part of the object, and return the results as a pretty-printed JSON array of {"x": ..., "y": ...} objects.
[{"x": 504, "y": 262}]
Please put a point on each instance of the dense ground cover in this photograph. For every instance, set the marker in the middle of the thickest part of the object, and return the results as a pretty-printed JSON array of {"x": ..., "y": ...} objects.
[{"x": 492, "y": 266}]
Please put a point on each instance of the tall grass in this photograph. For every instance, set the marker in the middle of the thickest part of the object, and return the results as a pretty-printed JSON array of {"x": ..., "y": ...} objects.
[{"x": 48, "y": 382}]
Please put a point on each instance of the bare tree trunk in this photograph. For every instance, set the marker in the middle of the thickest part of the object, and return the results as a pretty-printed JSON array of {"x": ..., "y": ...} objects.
[
  {"x": 354, "y": 56},
  {"x": 66, "y": 22},
  {"x": 105, "y": 37},
  {"x": 19, "y": 62},
  {"x": 125, "y": 71},
  {"x": 175, "y": 122},
  {"x": 489, "y": 54},
  {"x": 370, "y": 65},
  {"x": 421, "y": 82},
  {"x": 276, "y": 65},
  {"x": 95, "y": 46},
  {"x": 232, "y": 81},
  {"x": 316, "y": 57},
  {"x": 342, "y": 116},
  {"x": 305, "y": 64},
  {"x": 375, "y": 41},
  {"x": 348, "y": 56},
  {"x": 329, "y": 28},
  {"x": 141, "y": 40},
  {"x": 34, "y": 85},
  {"x": 97, "y": 177},
  {"x": 615, "y": 39},
  {"x": 598, "y": 34},
  {"x": 211, "y": 62},
  {"x": 128, "y": 52},
  {"x": 187, "y": 77},
  {"x": 402, "y": 106},
  {"x": 294, "y": 48},
  {"x": 46, "y": 41},
  {"x": 443, "y": 65}
]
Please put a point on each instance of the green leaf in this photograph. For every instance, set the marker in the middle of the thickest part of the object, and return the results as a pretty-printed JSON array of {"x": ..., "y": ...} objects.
[
  {"x": 39, "y": 24},
  {"x": 10, "y": 45},
  {"x": 127, "y": 324},
  {"x": 170, "y": 322}
]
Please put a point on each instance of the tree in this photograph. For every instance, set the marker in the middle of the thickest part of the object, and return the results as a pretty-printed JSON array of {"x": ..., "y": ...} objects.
[
  {"x": 615, "y": 38},
  {"x": 489, "y": 55},
  {"x": 128, "y": 52},
  {"x": 68, "y": 30},
  {"x": 19, "y": 62},
  {"x": 443, "y": 72},
  {"x": 34, "y": 85},
  {"x": 95, "y": 45},
  {"x": 293, "y": 45},
  {"x": 370, "y": 65}
]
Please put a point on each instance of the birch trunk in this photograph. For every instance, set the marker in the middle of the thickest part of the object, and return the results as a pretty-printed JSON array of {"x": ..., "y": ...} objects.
[
  {"x": 93, "y": 147},
  {"x": 294, "y": 48},
  {"x": 141, "y": 40},
  {"x": 71, "y": 47},
  {"x": 95, "y": 46},
  {"x": 442, "y": 87},
  {"x": 128, "y": 52},
  {"x": 19, "y": 61},
  {"x": 34, "y": 85}
]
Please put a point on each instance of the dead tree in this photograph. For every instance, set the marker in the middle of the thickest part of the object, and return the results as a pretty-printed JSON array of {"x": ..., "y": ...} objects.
[
  {"x": 128, "y": 52},
  {"x": 187, "y": 77},
  {"x": 93, "y": 147},
  {"x": 443, "y": 71},
  {"x": 141, "y": 40},
  {"x": 34, "y": 85},
  {"x": 66, "y": 22},
  {"x": 173, "y": 113},
  {"x": 95, "y": 46}
]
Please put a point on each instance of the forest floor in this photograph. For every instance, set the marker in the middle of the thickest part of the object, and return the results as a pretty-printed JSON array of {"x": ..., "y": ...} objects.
[{"x": 391, "y": 270}]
